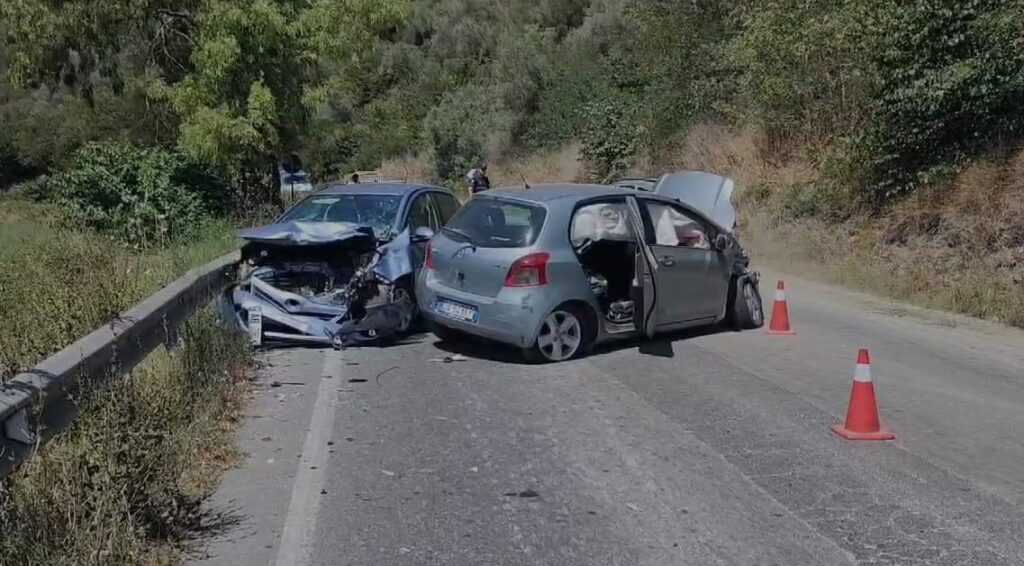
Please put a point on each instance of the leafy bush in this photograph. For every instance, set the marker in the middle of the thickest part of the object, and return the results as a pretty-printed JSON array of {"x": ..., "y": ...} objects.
[
  {"x": 466, "y": 128},
  {"x": 952, "y": 82},
  {"x": 609, "y": 138},
  {"x": 141, "y": 196}
]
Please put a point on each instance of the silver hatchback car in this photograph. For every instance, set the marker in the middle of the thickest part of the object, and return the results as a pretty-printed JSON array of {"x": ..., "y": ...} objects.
[{"x": 554, "y": 269}]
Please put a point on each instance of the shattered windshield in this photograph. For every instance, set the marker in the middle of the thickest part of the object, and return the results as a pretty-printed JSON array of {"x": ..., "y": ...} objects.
[{"x": 375, "y": 211}]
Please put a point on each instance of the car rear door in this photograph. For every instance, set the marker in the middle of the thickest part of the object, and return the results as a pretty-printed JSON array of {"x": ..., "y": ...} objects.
[{"x": 681, "y": 246}]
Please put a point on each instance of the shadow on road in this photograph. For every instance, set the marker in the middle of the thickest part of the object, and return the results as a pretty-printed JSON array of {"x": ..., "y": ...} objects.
[{"x": 660, "y": 346}]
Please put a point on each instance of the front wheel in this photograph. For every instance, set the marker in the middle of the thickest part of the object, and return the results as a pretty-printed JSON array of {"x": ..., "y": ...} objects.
[
  {"x": 403, "y": 294},
  {"x": 563, "y": 336},
  {"x": 746, "y": 311}
]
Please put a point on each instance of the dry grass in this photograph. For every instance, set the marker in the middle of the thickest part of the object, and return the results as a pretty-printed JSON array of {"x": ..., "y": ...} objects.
[
  {"x": 409, "y": 168},
  {"x": 124, "y": 485},
  {"x": 557, "y": 166},
  {"x": 957, "y": 247},
  {"x": 563, "y": 166},
  {"x": 58, "y": 284}
]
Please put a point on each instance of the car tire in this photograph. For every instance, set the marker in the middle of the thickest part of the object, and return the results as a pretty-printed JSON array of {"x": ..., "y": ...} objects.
[
  {"x": 443, "y": 333},
  {"x": 746, "y": 310},
  {"x": 404, "y": 290},
  {"x": 570, "y": 340}
]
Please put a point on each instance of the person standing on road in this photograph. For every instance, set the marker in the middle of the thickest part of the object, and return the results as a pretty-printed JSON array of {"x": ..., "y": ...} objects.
[{"x": 478, "y": 180}]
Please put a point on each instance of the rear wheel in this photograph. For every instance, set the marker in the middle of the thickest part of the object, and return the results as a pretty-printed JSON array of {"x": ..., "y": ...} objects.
[
  {"x": 746, "y": 311},
  {"x": 563, "y": 336}
]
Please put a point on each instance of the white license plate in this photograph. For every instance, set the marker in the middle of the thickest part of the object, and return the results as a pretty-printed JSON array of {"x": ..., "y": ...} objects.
[
  {"x": 255, "y": 323},
  {"x": 457, "y": 311}
]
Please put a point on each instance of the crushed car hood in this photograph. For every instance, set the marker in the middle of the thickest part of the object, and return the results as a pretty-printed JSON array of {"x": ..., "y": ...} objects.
[
  {"x": 305, "y": 233},
  {"x": 707, "y": 193}
]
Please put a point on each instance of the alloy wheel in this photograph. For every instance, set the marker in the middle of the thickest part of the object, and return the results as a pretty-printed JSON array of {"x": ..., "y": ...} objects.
[
  {"x": 560, "y": 336},
  {"x": 753, "y": 304}
]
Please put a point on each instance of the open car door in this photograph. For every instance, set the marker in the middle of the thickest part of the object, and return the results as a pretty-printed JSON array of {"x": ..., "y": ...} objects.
[{"x": 644, "y": 292}]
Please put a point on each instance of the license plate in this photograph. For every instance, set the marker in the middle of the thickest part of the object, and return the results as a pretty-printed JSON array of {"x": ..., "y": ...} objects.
[
  {"x": 457, "y": 311},
  {"x": 255, "y": 323}
]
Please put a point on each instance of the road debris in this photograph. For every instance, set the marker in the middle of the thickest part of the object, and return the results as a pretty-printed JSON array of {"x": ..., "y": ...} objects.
[
  {"x": 388, "y": 473},
  {"x": 451, "y": 359},
  {"x": 528, "y": 494},
  {"x": 357, "y": 380},
  {"x": 276, "y": 384},
  {"x": 382, "y": 373}
]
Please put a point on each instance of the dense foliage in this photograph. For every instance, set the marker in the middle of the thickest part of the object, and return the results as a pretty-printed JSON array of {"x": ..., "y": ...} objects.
[
  {"x": 143, "y": 196},
  {"x": 898, "y": 93}
]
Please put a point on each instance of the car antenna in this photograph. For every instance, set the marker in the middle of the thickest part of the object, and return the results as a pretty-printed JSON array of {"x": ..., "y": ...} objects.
[{"x": 525, "y": 183}]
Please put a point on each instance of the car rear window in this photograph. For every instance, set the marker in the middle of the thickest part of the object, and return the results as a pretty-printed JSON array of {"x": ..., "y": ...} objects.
[{"x": 495, "y": 223}]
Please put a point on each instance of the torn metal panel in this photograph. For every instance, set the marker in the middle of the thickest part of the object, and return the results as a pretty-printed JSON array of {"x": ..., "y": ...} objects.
[{"x": 323, "y": 283}]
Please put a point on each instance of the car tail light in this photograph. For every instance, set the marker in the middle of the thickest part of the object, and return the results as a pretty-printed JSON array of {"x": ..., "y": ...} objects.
[
  {"x": 528, "y": 271},
  {"x": 428, "y": 256}
]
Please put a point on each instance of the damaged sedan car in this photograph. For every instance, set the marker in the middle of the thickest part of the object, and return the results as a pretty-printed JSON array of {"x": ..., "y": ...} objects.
[
  {"x": 338, "y": 268},
  {"x": 555, "y": 269}
]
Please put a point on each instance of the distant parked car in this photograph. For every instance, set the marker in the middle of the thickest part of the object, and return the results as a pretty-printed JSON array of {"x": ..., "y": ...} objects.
[
  {"x": 554, "y": 269},
  {"x": 636, "y": 184}
]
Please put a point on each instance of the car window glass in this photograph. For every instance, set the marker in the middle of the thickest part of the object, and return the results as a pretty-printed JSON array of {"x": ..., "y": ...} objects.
[
  {"x": 494, "y": 223},
  {"x": 601, "y": 221},
  {"x": 375, "y": 211},
  {"x": 447, "y": 206},
  {"x": 674, "y": 227},
  {"x": 420, "y": 213}
]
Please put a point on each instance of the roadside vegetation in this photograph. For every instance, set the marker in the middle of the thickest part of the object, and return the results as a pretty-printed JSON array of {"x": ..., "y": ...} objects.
[
  {"x": 877, "y": 143},
  {"x": 125, "y": 484}
]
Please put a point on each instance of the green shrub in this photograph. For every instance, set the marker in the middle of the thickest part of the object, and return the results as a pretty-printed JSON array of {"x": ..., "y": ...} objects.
[
  {"x": 141, "y": 196},
  {"x": 466, "y": 128},
  {"x": 609, "y": 138},
  {"x": 952, "y": 82}
]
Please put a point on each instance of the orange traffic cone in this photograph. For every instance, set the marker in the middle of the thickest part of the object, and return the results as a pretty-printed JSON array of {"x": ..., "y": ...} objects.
[
  {"x": 779, "y": 324},
  {"x": 862, "y": 415}
]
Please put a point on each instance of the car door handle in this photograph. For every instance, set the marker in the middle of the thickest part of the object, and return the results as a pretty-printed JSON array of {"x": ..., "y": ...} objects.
[{"x": 666, "y": 261}]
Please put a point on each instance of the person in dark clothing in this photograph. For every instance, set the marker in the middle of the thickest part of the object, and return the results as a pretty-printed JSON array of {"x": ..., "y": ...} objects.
[{"x": 478, "y": 180}]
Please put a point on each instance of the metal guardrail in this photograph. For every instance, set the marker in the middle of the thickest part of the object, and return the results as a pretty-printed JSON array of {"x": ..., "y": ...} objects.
[{"x": 34, "y": 405}]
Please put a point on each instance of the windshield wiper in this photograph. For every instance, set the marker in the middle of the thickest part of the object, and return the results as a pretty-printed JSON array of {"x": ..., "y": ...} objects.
[
  {"x": 465, "y": 236},
  {"x": 461, "y": 234}
]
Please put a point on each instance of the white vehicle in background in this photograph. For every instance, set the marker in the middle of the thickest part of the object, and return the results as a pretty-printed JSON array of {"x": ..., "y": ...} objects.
[{"x": 295, "y": 186}]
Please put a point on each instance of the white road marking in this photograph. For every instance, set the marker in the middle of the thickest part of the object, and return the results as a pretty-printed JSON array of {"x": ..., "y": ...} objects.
[{"x": 300, "y": 523}]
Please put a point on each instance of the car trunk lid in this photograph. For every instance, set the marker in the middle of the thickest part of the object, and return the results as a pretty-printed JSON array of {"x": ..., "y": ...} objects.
[{"x": 462, "y": 266}]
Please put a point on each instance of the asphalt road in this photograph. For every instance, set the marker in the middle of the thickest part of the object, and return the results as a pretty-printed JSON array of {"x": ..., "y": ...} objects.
[{"x": 705, "y": 449}]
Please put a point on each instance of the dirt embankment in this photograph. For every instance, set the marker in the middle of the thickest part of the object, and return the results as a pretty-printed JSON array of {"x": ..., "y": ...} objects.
[{"x": 957, "y": 246}]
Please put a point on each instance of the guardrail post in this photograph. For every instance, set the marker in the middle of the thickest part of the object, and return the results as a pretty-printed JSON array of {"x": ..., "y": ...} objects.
[{"x": 17, "y": 429}]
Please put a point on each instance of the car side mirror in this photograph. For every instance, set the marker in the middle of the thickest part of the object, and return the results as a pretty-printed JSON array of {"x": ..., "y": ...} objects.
[
  {"x": 422, "y": 234},
  {"x": 723, "y": 242}
]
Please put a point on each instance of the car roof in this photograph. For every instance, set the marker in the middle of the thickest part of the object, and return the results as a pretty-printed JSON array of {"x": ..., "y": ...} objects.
[
  {"x": 558, "y": 191},
  {"x": 571, "y": 192},
  {"x": 372, "y": 188}
]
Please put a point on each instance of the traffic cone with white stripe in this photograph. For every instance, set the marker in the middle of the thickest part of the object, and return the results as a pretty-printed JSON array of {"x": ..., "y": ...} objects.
[
  {"x": 862, "y": 414},
  {"x": 779, "y": 324}
]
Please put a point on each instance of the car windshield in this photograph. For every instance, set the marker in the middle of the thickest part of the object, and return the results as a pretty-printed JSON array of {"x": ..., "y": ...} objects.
[
  {"x": 494, "y": 223},
  {"x": 375, "y": 211}
]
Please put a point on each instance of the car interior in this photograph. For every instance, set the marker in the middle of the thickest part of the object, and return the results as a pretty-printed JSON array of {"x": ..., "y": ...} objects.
[{"x": 606, "y": 247}]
